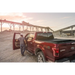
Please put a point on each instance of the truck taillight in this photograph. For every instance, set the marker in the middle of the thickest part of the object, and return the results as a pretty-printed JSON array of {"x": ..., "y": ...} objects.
[{"x": 55, "y": 52}]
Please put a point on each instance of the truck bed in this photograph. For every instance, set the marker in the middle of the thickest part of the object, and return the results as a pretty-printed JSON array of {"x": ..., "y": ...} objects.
[{"x": 58, "y": 41}]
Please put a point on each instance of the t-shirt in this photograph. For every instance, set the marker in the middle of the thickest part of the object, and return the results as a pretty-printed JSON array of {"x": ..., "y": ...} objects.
[{"x": 21, "y": 39}]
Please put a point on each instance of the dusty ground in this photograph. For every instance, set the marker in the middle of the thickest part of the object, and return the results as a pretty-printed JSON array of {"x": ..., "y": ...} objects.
[{"x": 7, "y": 54}]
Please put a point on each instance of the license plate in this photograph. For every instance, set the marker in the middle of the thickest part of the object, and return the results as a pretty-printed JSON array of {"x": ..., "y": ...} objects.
[{"x": 72, "y": 48}]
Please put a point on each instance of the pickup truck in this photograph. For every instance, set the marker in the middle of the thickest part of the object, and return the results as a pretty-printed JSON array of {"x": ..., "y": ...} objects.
[{"x": 46, "y": 47}]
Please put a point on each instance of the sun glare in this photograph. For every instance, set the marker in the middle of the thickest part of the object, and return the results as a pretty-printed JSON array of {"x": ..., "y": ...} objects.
[{"x": 5, "y": 11}]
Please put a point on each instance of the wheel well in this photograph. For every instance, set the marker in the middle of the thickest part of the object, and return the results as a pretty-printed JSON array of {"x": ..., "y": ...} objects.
[{"x": 37, "y": 50}]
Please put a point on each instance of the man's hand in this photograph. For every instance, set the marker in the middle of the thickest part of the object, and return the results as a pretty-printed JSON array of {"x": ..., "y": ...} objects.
[
  {"x": 25, "y": 41},
  {"x": 16, "y": 39}
]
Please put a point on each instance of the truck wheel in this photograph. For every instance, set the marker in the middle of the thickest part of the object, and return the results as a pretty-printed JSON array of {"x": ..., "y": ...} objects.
[{"x": 40, "y": 57}]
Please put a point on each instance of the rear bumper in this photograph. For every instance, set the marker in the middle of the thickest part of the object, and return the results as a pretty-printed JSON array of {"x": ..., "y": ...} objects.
[{"x": 69, "y": 61}]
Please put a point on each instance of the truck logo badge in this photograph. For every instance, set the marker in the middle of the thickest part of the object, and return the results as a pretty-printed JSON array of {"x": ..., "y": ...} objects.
[{"x": 62, "y": 50}]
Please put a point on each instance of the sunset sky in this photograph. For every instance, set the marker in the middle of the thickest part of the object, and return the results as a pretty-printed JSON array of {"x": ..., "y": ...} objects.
[{"x": 54, "y": 18}]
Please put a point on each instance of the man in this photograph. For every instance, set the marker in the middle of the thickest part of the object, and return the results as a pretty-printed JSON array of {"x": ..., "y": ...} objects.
[{"x": 22, "y": 44}]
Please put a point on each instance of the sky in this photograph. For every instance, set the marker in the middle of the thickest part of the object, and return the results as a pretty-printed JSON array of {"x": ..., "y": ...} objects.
[{"x": 55, "y": 21}]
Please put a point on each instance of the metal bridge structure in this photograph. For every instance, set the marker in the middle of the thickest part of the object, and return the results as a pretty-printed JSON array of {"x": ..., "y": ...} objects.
[
  {"x": 25, "y": 26},
  {"x": 65, "y": 30}
]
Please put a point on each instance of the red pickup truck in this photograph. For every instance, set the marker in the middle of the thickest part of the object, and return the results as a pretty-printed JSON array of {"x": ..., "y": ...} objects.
[{"x": 46, "y": 47}]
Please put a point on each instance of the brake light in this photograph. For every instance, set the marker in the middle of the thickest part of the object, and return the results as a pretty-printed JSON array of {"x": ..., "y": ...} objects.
[{"x": 55, "y": 52}]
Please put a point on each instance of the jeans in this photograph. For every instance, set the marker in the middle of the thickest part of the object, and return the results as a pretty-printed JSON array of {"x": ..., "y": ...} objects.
[{"x": 22, "y": 47}]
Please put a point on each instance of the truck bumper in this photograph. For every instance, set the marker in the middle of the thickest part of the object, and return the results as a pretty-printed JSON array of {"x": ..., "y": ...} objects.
[{"x": 69, "y": 61}]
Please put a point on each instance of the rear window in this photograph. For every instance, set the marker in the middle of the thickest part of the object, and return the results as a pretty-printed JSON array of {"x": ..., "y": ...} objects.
[{"x": 44, "y": 36}]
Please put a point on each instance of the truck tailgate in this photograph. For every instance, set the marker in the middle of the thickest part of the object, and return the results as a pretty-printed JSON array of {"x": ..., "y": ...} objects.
[{"x": 66, "y": 49}]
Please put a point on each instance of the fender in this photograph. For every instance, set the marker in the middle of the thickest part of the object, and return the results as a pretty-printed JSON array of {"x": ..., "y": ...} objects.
[{"x": 40, "y": 47}]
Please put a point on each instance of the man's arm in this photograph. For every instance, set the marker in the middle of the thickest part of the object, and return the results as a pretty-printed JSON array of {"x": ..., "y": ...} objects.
[{"x": 25, "y": 42}]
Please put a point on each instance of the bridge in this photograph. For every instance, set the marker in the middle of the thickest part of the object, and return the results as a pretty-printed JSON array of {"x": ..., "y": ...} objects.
[
  {"x": 64, "y": 30},
  {"x": 25, "y": 26}
]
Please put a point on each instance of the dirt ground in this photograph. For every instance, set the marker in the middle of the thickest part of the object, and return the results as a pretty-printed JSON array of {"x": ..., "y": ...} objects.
[{"x": 7, "y": 54}]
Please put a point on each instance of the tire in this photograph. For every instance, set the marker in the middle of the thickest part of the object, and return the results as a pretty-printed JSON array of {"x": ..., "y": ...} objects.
[{"x": 40, "y": 57}]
